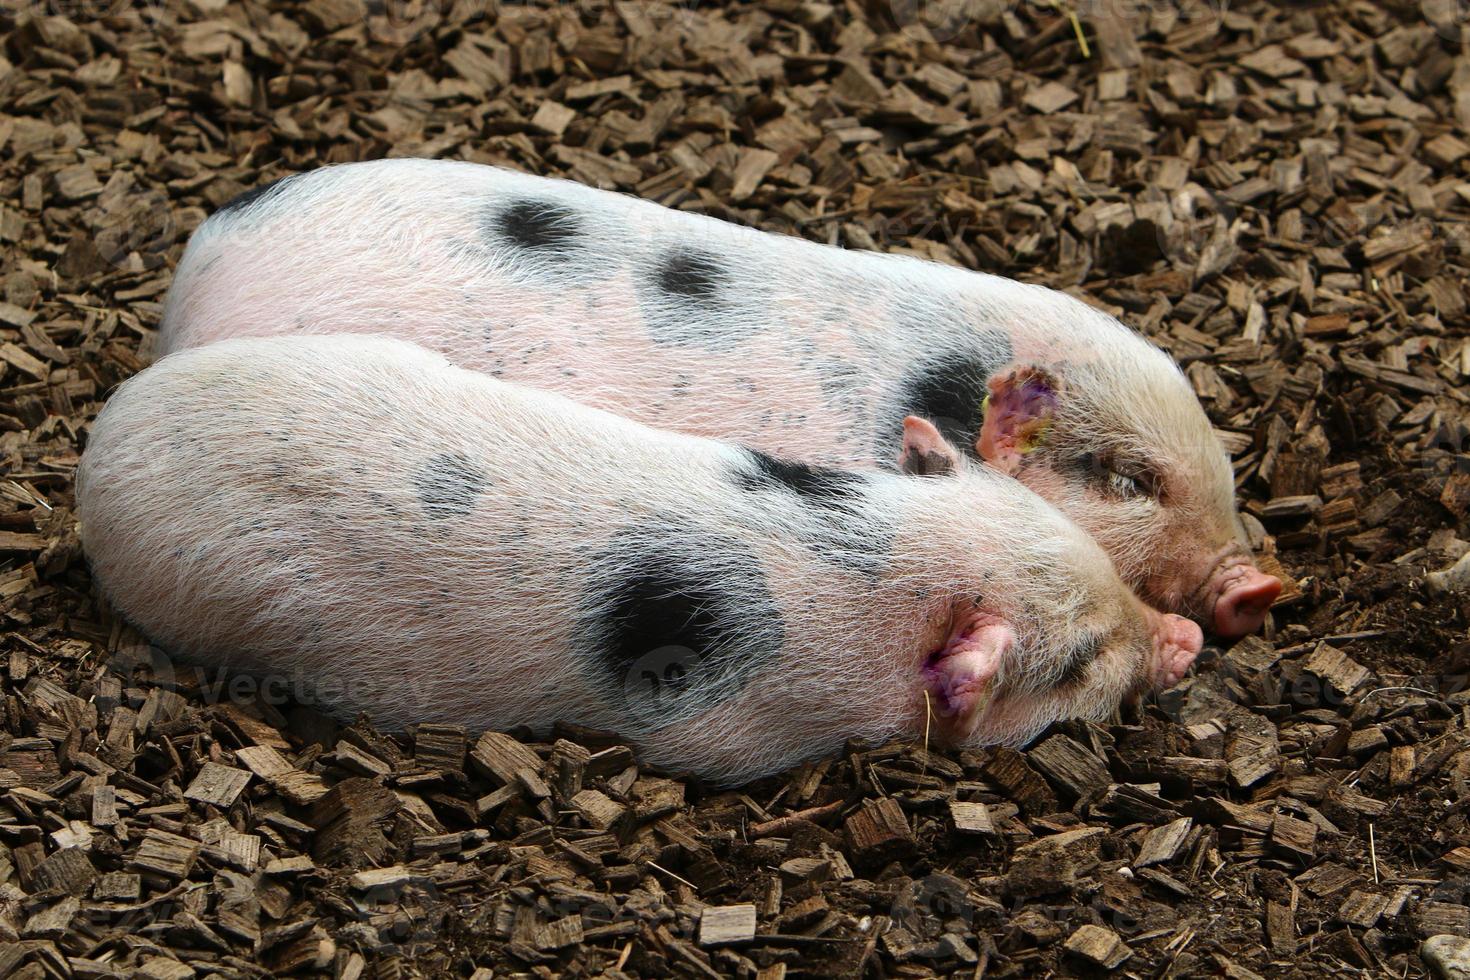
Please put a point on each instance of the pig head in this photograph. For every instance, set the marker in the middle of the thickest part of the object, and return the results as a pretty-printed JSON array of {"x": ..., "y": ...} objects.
[{"x": 1149, "y": 481}]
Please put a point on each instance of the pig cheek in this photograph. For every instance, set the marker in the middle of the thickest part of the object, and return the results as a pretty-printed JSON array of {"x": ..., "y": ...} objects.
[
  {"x": 1190, "y": 583},
  {"x": 1130, "y": 678},
  {"x": 1019, "y": 718},
  {"x": 1151, "y": 547},
  {"x": 1128, "y": 530},
  {"x": 1114, "y": 680},
  {"x": 1046, "y": 481}
]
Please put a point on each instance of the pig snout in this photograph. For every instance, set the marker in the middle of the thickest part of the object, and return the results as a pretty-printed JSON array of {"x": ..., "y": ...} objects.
[
  {"x": 1176, "y": 642},
  {"x": 1241, "y": 596}
]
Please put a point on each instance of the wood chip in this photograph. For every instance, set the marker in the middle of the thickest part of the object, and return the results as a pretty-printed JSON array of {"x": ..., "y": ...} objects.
[
  {"x": 1163, "y": 844},
  {"x": 1070, "y": 766},
  {"x": 1050, "y": 97},
  {"x": 750, "y": 171},
  {"x": 1336, "y": 668},
  {"x": 553, "y": 118},
  {"x": 501, "y": 756},
  {"x": 723, "y": 925},
  {"x": 879, "y": 831},
  {"x": 217, "y": 785},
  {"x": 971, "y": 818},
  {"x": 1296, "y": 837},
  {"x": 165, "y": 855},
  {"x": 1098, "y": 946}
]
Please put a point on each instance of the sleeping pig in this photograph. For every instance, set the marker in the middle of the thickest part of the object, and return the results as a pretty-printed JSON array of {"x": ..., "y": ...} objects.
[
  {"x": 430, "y": 544},
  {"x": 692, "y": 324}
]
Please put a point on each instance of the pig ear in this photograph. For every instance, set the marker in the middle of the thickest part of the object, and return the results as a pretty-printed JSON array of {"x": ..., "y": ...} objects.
[
  {"x": 925, "y": 451},
  {"x": 981, "y": 652},
  {"x": 963, "y": 673},
  {"x": 1018, "y": 415}
]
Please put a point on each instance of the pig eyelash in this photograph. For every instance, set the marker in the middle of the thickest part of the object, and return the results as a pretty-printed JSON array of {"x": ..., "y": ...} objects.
[{"x": 1124, "y": 486}]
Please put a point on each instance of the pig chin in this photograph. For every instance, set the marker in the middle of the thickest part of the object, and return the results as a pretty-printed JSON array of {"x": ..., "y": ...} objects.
[
  {"x": 1016, "y": 721},
  {"x": 976, "y": 714}
]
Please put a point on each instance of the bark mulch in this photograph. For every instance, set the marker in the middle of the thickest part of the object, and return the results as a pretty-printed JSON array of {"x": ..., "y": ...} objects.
[{"x": 1277, "y": 193}]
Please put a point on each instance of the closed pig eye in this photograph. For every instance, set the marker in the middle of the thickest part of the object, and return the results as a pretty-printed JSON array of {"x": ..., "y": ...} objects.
[
  {"x": 1081, "y": 658},
  {"x": 1122, "y": 479}
]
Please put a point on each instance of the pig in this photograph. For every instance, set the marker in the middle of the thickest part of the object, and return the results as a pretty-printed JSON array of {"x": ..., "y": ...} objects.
[
  {"x": 801, "y": 350},
  {"x": 421, "y": 542}
]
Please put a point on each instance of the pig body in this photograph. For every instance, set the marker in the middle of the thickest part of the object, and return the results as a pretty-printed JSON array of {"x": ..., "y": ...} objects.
[
  {"x": 692, "y": 324},
  {"x": 425, "y": 543}
]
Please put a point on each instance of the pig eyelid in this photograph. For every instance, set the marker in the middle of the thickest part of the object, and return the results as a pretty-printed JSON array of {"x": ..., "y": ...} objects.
[
  {"x": 1124, "y": 478},
  {"x": 1151, "y": 483},
  {"x": 1140, "y": 476},
  {"x": 1083, "y": 655},
  {"x": 1089, "y": 648}
]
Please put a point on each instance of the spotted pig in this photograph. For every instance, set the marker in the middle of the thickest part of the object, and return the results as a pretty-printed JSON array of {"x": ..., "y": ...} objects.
[
  {"x": 427, "y": 543},
  {"x": 689, "y": 323}
]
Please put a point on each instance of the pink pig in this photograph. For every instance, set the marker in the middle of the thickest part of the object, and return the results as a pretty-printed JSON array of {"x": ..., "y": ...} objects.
[
  {"x": 692, "y": 324},
  {"x": 422, "y": 542}
]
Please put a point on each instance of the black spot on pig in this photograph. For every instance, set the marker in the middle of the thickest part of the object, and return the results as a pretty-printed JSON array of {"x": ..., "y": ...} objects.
[
  {"x": 950, "y": 391},
  {"x": 255, "y": 195},
  {"x": 448, "y": 485},
  {"x": 843, "y": 533},
  {"x": 692, "y": 275},
  {"x": 689, "y": 299},
  {"x": 679, "y": 619},
  {"x": 538, "y": 226},
  {"x": 928, "y": 464},
  {"x": 822, "y": 486}
]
